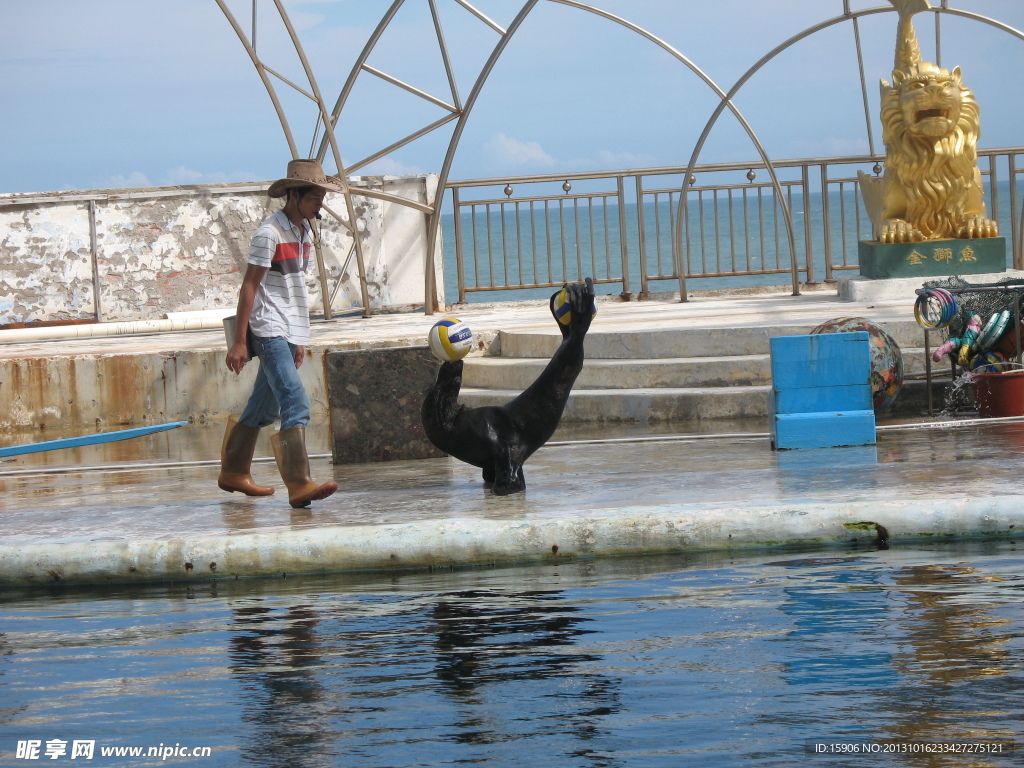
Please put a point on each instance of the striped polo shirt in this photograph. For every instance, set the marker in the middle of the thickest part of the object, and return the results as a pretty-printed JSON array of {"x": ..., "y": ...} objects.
[{"x": 281, "y": 307}]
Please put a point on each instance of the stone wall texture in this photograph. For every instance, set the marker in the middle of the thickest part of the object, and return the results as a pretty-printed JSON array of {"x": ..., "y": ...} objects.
[
  {"x": 374, "y": 397},
  {"x": 113, "y": 255}
]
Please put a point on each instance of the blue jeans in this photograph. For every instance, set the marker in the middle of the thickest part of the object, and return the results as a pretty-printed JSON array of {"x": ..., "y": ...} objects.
[{"x": 278, "y": 391}]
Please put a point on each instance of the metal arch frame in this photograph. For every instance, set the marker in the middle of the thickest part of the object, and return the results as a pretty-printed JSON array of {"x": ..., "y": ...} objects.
[
  {"x": 361, "y": 65},
  {"x": 848, "y": 15},
  {"x": 460, "y": 112},
  {"x": 315, "y": 96},
  {"x": 751, "y": 134},
  {"x": 527, "y": 7},
  {"x": 453, "y": 144}
]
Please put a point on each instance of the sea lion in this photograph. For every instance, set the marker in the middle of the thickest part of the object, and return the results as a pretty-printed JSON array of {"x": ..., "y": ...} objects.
[{"x": 498, "y": 439}]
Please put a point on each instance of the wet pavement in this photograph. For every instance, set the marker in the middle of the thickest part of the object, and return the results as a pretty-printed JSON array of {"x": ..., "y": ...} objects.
[
  {"x": 149, "y": 508},
  {"x": 919, "y": 479}
]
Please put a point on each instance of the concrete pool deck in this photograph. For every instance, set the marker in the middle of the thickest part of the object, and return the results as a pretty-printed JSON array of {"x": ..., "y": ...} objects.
[
  {"x": 149, "y": 509},
  {"x": 125, "y": 521}
]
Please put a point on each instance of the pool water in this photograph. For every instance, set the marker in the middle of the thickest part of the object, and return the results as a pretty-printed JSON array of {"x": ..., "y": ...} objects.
[{"x": 710, "y": 660}]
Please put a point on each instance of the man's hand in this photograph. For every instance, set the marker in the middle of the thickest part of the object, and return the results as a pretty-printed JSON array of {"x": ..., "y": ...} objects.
[
  {"x": 300, "y": 356},
  {"x": 236, "y": 357}
]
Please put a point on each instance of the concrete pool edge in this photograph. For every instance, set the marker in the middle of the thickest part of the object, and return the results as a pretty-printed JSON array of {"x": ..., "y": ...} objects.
[{"x": 447, "y": 543}]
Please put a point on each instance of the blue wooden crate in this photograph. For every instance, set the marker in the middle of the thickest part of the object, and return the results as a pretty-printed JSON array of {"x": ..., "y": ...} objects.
[
  {"x": 821, "y": 391},
  {"x": 820, "y": 360},
  {"x": 848, "y": 397},
  {"x": 824, "y": 429}
]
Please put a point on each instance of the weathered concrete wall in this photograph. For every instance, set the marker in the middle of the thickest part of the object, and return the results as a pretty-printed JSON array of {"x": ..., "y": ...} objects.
[
  {"x": 183, "y": 249},
  {"x": 45, "y": 263},
  {"x": 59, "y": 391}
]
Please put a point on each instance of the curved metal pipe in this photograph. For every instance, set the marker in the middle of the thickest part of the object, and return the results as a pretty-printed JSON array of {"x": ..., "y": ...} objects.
[
  {"x": 357, "y": 67},
  {"x": 983, "y": 19},
  {"x": 725, "y": 100},
  {"x": 263, "y": 76},
  {"x": 442, "y": 184},
  {"x": 329, "y": 135}
]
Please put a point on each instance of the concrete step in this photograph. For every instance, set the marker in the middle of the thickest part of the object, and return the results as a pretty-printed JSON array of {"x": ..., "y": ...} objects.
[
  {"x": 645, "y": 405},
  {"x": 648, "y": 405},
  {"x": 728, "y": 371},
  {"x": 518, "y": 373},
  {"x": 678, "y": 342}
]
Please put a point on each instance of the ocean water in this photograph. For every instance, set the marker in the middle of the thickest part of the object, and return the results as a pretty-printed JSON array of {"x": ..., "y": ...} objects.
[
  {"x": 700, "y": 659},
  {"x": 567, "y": 240}
]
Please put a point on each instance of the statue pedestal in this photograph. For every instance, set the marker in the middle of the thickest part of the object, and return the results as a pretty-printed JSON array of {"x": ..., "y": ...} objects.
[{"x": 932, "y": 258}]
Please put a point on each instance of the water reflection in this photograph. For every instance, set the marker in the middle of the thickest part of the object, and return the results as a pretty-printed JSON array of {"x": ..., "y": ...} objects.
[
  {"x": 950, "y": 654},
  {"x": 814, "y": 472},
  {"x": 274, "y": 656},
  {"x": 837, "y": 609},
  {"x": 713, "y": 661},
  {"x": 920, "y": 651},
  {"x": 323, "y": 677},
  {"x": 492, "y": 646}
]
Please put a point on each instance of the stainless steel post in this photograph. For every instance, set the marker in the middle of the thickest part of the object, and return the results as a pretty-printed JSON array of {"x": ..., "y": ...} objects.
[{"x": 94, "y": 251}]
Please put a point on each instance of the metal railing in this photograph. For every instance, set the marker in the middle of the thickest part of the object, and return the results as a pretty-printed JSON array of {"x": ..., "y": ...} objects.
[
  {"x": 619, "y": 226},
  {"x": 541, "y": 241}
]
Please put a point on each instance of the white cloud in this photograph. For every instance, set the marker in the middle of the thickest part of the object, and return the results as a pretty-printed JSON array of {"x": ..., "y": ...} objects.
[
  {"x": 184, "y": 175},
  {"x": 181, "y": 175},
  {"x": 387, "y": 166},
  {"x": 305, "y": 21},
  {"x": 133, "y": 179},
  {"x": 505, "y": 150}
]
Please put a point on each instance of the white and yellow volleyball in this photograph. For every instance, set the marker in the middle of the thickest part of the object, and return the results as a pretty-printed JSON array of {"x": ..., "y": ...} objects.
[
  {"x": 563, "y": 310},
  {"x": 450, "y": 340}
]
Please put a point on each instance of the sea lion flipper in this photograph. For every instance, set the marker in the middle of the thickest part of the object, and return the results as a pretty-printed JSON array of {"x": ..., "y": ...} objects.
[
  {"x": 581, "y": 299},
  {"x": 508, "y": 476}
]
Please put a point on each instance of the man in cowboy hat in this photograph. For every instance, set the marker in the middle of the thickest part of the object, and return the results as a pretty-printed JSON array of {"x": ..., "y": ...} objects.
[{"x": 273, "y": 320}]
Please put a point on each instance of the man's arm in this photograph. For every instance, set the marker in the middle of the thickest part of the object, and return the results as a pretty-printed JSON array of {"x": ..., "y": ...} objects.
[{"x": 237, "y": 355}]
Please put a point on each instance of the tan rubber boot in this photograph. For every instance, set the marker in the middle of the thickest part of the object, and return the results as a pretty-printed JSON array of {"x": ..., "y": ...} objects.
[
  {"x": 236, "y": 458},
  {"x": 290, "y": 451}
]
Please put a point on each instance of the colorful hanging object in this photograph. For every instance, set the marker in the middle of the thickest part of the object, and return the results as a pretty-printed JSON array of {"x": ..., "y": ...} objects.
[
  {"x": 935, "y": 308},
  {"x": 993, "y": 331},
  {"x": 949, "y": 347},
  {"x": 967, "y": 341}
]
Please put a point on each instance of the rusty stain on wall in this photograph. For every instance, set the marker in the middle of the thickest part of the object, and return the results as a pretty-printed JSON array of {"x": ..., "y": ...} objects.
[{"x": 120, "y": 390}]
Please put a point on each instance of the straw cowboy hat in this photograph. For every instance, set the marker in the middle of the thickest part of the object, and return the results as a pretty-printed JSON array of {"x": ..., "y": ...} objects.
[{"x": 304, "y": 173}]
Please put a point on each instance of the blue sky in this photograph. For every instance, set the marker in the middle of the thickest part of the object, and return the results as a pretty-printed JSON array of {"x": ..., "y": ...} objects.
[{"x": 114, "y": 93}]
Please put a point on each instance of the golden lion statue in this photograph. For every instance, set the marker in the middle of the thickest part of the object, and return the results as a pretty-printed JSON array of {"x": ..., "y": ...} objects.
[{"x": 931, "y": 188}]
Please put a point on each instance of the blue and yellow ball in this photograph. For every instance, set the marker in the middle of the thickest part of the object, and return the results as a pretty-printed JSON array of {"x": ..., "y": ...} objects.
[
  {"x": 450, "y": 340},
  {"x": 989, "y": 362},
  {"x": 563, "y": 310}
]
